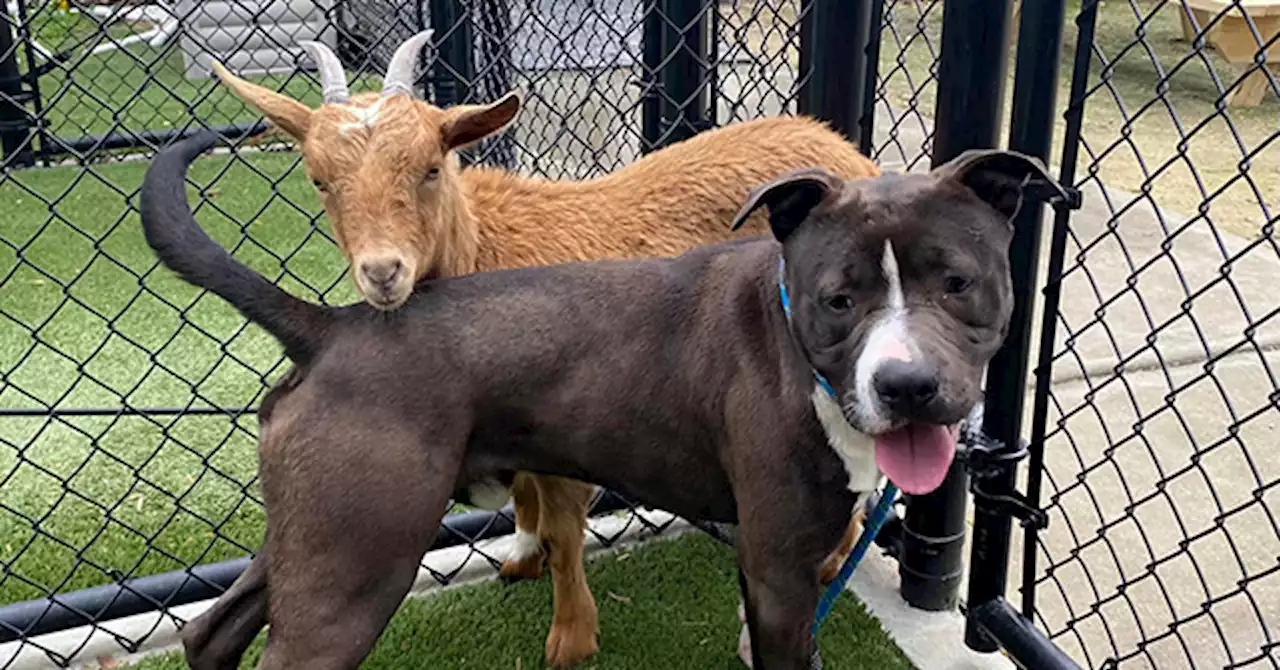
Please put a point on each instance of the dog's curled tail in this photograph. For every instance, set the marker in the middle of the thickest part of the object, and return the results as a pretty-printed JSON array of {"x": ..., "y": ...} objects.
[{"x": 171, "y": 230}]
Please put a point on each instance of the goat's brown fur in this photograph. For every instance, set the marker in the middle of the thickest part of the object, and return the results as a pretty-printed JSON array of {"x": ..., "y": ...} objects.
[{"x": 402, "y": 209}]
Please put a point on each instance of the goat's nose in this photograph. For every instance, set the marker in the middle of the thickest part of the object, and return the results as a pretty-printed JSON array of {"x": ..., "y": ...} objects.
[
  {"x": 906, "y": 387},
  {"x": 381, "y": 272}
]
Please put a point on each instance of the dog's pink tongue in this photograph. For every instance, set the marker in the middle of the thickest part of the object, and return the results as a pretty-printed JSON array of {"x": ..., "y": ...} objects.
[{"x": 916, "y": 457}]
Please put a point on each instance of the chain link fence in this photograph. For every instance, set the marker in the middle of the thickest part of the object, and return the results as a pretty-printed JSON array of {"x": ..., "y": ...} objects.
[
  {"x": 127, "y": 399},
  {"x": 127, "y": 441},
  {"x": 1161, "y": 427}
]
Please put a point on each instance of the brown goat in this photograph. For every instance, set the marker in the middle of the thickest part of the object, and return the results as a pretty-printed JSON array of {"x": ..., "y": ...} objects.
[{"x": 402, "y": 209}]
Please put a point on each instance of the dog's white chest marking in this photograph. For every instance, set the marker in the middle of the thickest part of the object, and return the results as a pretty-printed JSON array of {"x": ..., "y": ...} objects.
[
  {"x": 856, "y": 449},
  {"x": 365, "y": 117}
]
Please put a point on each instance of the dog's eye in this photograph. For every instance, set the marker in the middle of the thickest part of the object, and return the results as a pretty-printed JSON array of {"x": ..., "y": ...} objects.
[
  {"x": 956, "y": 284},
  {"x": 320, "y": 186},
  {"x": 839, "y": 303},
  {"x": 431, "y": 175}
]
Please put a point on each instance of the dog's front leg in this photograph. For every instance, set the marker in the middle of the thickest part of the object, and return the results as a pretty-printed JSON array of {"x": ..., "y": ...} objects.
[
  {"x": 218, "y": 638},
  {"x": 780, "y": 595}
]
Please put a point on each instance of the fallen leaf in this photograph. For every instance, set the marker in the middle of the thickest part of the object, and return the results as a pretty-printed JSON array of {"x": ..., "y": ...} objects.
[
  {"x": 623, "y": 557},
  {"x": 107, "y": 663},
  {"x": 622, "y": 599}
]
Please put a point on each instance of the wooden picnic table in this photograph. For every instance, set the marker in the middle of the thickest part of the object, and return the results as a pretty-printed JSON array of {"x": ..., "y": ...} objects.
[{"x": 1233, "y": 38}]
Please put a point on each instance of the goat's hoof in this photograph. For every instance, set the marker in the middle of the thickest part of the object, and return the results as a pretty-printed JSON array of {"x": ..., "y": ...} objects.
[
  {"x": 744, "y": 646},
  {"x": 571, "y": 643},
  {"x": 517, "y": 569}
]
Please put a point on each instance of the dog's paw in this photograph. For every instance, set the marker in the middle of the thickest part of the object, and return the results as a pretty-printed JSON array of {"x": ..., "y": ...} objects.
[{"x": 571, "y": 643}]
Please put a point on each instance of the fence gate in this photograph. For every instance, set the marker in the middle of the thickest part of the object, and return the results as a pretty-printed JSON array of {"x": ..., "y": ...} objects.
[{"x": 1155, "y": 421}]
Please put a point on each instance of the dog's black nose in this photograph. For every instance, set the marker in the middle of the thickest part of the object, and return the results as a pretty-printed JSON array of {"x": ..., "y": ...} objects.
[
  {"x": 906, "y": 387},
  {"x": 381, "y": 272}
]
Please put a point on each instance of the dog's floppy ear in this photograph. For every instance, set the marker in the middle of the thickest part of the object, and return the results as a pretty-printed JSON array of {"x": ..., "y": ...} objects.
[
  {"x": 1000, "y": 178},
  {"x": 789, "y": 198}
]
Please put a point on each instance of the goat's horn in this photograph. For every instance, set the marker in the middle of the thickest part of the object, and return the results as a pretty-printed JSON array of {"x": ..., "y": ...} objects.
[
  {"x": 400, "y": 70},
  {"x": 332, "y": 77}
]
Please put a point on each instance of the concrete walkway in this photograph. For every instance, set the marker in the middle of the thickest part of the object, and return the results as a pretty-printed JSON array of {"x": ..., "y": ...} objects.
[{"x": 1162, "y": 467}]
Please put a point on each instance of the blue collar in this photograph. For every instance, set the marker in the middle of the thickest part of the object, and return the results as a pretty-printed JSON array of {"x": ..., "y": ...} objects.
[{"x": 786, "y": 309}]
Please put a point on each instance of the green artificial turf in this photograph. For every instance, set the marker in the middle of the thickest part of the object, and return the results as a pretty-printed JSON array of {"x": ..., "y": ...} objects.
[
  {"x": 664, "y": 605},
  {"x": 84, "y": 499}
]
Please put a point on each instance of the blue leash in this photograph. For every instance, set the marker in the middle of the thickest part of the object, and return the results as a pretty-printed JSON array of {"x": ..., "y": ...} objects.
[
  {"x": 878, "y": 516},
  {"x": 869, "y": 531}
]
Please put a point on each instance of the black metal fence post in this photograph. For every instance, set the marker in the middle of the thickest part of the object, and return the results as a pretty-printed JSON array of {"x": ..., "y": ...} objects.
[
  {"x": 1031, "y": 132},
  {"x": 15, "y": 124},
  {"x": 971, "y": 75},
  {"x": 454, "y": 69},
  {"x": 683, "y": 79},
  {"x": 650, "y": 83},
  {"x": 871, "y": 73},
  {"x": 833, "y": 51}
]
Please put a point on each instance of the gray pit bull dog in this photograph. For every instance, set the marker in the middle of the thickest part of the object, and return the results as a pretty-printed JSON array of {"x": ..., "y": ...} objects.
[{"x": 680, "y": 382}]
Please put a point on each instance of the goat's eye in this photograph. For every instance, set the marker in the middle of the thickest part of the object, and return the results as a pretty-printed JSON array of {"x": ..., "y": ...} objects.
[
  {"x": 432, "y": 174},
  {"x": 839, "y": 303},
  {"x": 955, "y": 284}
]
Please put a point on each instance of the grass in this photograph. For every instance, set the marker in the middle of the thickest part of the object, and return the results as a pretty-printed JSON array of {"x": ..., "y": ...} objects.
[
  {"x": 666, "y": 604},
  {"x": 135, "y": 494}
]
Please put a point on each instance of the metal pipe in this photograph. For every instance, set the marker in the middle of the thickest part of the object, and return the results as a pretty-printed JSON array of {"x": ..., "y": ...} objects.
[
  {"x": 835, "y": 40},
  {"x": 130, "y": 411},
  {"x": 650, "y": 82},
  {"x": 1086, "y": 21},
  {"x": 1031, "y": 132},
  {"x": 89, "y": 144},
  {"x": 453, "y": 68},
  {"x": 971, "y": 73},
  {"x": 684, "y": 74},
  {"x": 866, "y": 139},
  {"x": 15, "y": 123},
  {"x": 1025, "y": 644},
  {"x": 180, "y": 587}
]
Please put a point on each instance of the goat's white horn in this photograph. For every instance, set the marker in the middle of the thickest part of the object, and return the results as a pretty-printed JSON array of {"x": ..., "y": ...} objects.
[
  {"x": 400, "y": 71},
  {"x": 332, "y": 77}
]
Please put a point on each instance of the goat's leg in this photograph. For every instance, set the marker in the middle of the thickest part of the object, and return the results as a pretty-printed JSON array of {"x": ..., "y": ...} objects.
[
  {"x": 525, "y": 559},
  {"x": 218, "y": 638},
  {"x": 562, "y": 522},
  {"x": 835, "y": 560}
]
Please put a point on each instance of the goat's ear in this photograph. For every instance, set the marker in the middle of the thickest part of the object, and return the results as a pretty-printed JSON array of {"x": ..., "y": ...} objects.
[
  {"x": 790, "y": 198},
  {"x": 1000, "y": 178},
  {"x": 467, "y": 124},
  {"x": 290, "y": 115}
]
